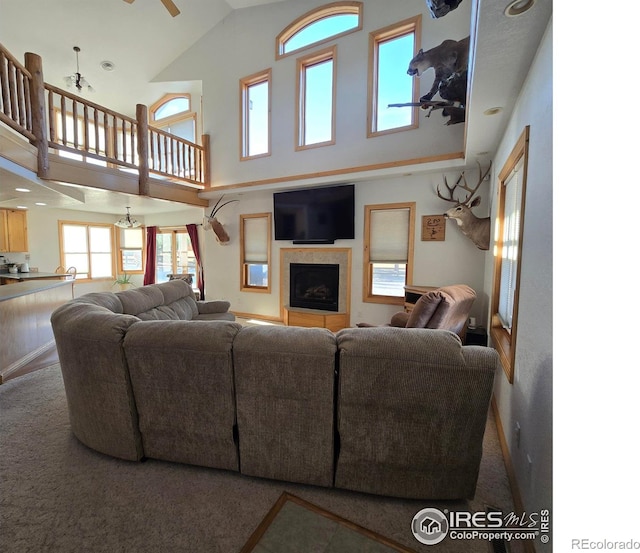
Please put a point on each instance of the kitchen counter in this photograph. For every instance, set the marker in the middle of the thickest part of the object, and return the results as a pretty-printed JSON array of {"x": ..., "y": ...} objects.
[
  {"x": 25, "y": 327},
  {"x": 32, "y": 276},
  {"x": 29, "y": 287}
]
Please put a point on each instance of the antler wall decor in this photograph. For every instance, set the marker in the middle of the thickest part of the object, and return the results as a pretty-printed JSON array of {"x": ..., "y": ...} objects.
[
  {"x": 478, "y": 229},
  {"x": 211, "y": 222}
]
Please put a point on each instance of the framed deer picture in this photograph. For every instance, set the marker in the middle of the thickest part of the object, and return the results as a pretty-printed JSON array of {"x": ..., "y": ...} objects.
[{"x": 433, "y": 228}]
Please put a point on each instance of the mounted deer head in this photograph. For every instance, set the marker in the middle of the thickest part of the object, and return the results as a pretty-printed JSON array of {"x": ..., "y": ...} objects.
[
  {"x": 212, "y": 223},
  {"x": 475, "y": 228}
]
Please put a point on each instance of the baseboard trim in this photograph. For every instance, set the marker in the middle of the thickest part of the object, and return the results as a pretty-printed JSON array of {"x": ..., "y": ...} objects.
[
  {"x": 9, "y": 371},
  {"x": 511, "y": 473}
]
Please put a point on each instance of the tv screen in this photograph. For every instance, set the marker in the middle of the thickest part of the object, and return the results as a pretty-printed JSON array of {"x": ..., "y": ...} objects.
[{"x": 314, "y": 214}]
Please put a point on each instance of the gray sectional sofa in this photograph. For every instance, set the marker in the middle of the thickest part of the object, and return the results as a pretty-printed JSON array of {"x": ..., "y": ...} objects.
[{"x": 388, "y": 411}]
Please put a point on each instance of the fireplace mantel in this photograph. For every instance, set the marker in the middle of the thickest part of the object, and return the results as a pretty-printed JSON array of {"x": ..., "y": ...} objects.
[{"x": 317, "y": 317}]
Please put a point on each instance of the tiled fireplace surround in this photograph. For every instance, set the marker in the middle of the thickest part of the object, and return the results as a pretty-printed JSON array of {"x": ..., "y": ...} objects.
[{"x": 337, "y": 256}]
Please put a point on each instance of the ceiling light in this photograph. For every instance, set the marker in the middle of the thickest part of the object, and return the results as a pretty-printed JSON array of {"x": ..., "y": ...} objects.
[
  {"x": 127, "y": 221},
  {"x": 492, "y": 111},
  {"x": 21, "y": 207},
  {"x": 518, "y": 7},
  {"x": 77, "y": 79},
  {"x": 40, "y": 203},
  {"x": 107, "y": 65},
  {"x": 22, "y": 190}
]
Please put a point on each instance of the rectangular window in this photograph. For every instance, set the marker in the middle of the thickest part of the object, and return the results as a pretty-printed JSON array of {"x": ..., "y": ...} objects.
[
  {"x": 390, "y": 50},
  {"x": 388, "y": 251},
  {"x": 130, "y": 244},
  {"x": 174, "y": 255},
  {"x": 316, "y": 93},
  {"x": 255, "y": 252},
  {"x": 255, "y": 102},
  {"x": 88, "y": 247},
  {"x": 507, "y": 253}
]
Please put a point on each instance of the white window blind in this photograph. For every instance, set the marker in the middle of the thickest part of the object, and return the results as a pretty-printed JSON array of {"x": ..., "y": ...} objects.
[
  {"x": 389, "y": 235},
  {"x": 510, "y": 245},
  {"x": 256, "y": 243}
]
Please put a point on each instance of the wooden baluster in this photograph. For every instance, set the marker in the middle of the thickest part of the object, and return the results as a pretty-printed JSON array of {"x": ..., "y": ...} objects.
[
  {"x": 115, "y": 138},
  {"x": 107, "y": 142},
  {"x": 124, "y": 141},
  {"x": 63, "y": 112},
  {"x": 166, "y": 154},
  {"x": 4, "y": 83},
  {"x": 75, "y": 124},
  {"x": 12, "y": 91},
  {"x": 52, "y": 117},
  {"x": 27, "y": 102},
  {"x": 86, "y": 128},
  {"x": 20, "y": 99},
  {"x": 33, "y": 64},
  {"x": 132, "y": 137},
  {"x": 152, "y": 149},
  {"x": 96, "y": 130}
]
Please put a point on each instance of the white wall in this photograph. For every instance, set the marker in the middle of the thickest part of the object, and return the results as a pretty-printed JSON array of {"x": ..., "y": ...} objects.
[
  {"x": 453, "y": 261},
  {"x": 244, "y": 43},
  {"x": 528, "y": 401}
]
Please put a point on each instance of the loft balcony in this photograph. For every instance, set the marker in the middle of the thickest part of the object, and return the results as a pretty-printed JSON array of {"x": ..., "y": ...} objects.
[{"x": 64, "y": 138}]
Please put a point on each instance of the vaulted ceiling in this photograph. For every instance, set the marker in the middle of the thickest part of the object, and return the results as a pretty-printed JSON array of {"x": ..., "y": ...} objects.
[{"x": 133, "y": 38}]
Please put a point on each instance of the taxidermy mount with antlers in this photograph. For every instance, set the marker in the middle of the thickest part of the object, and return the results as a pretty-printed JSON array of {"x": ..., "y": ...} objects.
[
  {"x": 478, "y": 229},
  {"x": 212, "y": 223}
]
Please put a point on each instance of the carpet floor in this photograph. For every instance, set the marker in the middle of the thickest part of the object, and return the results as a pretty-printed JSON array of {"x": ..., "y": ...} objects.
[{"x": 57, "y": 495}]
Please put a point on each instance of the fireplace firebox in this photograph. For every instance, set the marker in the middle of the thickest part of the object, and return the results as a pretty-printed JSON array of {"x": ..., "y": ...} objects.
[{"x": 314, "y": 285}]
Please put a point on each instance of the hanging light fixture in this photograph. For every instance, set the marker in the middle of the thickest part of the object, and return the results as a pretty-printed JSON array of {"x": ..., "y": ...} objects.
[
  {"x": 127, "y": 221},
  {"x": 77, "y": 79}
]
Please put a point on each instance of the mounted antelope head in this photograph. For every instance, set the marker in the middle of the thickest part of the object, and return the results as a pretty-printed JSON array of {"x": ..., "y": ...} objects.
[
  {"x": 475, "y": 228},
  {"x": 212, "y": 223}
]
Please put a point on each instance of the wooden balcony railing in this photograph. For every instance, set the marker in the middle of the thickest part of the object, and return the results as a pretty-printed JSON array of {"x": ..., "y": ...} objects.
[{"x": 50, "y": 117}]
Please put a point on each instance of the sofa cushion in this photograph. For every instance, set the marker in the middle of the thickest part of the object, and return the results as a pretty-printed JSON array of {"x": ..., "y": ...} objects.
[
  {"x": 173, "y": 300},
  {"x": 182, "y": 378},
  {"x": 412, "y": 410},
  {"x": 285, "y": 400}
]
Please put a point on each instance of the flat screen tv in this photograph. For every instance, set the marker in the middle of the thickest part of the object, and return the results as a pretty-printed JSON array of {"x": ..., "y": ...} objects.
[{"x": 314, "y": 215}]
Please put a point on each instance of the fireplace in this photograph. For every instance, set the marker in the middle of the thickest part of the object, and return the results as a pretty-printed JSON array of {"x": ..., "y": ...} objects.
[{"x": 314, "y": 285}]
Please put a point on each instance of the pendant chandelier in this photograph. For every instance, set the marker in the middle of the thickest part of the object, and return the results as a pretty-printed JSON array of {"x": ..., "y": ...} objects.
[
  {"x": 77, "y": 79},
  {"x": 127, "y": 221}
]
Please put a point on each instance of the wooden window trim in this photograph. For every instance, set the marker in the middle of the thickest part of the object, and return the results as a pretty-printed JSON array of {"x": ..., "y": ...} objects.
[
  {"x": 109, "y": 226},
  {"x": 167, "y": 98},
  {"x": 503, "y": 341},
  {"x": 119, "y": 247},
  {"x": 245, "y": 84},
  {"x": 411, "y": 25},
  {"x": 244, "y": 287},
  {"x": 367, "y": 295},
  {"x": 300, "y": 115},
  {"x": 174, "y": 231},
  {"x": 328, "y": 10}
]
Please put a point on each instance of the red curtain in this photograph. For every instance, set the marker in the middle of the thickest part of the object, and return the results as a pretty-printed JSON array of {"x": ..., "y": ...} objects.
[
  {"x": 195, "y": 245},
  {"x": 150, "y": 268}
]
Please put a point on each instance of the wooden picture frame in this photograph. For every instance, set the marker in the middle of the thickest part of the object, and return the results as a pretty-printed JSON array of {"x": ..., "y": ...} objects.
[{"x": 433, "y": 228}]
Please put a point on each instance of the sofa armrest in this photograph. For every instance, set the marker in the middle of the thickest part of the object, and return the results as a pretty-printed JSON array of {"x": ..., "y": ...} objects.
[
  {"x": 215, "y": 306},
  {"x": 400, "y": 319}
]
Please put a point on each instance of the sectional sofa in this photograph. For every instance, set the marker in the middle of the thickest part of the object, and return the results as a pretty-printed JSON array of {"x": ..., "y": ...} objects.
[{"x": 151, "y": 372}]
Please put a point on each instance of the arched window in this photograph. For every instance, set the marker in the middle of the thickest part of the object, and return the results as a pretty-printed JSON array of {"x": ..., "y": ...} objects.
[
  {"x": 318, "y": 26},
  {"x": 172, "y": 113}
]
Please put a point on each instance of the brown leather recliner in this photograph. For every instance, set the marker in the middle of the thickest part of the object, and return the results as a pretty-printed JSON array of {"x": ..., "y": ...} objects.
[{"x": 445, "y": 308}]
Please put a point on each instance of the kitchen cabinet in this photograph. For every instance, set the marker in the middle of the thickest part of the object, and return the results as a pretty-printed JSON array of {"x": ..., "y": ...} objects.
[{"x": 13, "y": 231}]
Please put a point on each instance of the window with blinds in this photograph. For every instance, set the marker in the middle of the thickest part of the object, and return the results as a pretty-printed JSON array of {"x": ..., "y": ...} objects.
[
  {"x": 508, "y": 253},
  {"x": 255, "y": 252},
  {"x": 130, "y": 243},
  {"x": 388, "y": 251}
]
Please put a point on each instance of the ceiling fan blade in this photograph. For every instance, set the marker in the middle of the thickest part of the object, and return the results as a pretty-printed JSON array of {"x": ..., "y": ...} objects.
[{"x": 171, "y": 7}]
